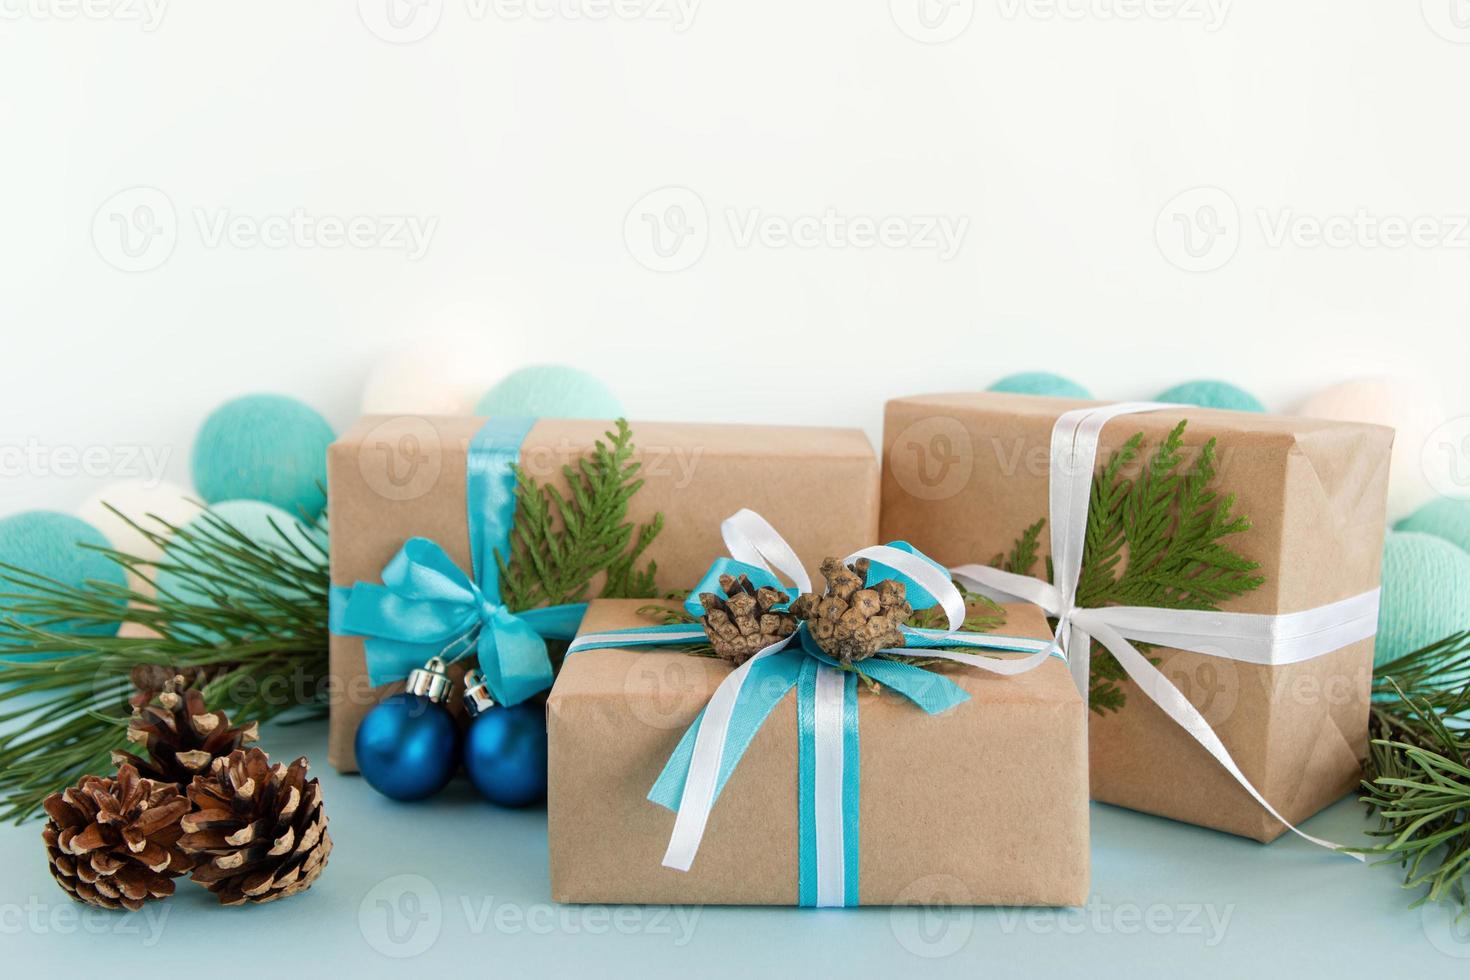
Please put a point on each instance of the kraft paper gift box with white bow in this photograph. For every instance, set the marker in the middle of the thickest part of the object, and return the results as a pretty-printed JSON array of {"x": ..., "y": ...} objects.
[
  {"x": 962, "y": 781},
  {"x": 1245, "y": 720},
  {"x": 414, "y": 496}
]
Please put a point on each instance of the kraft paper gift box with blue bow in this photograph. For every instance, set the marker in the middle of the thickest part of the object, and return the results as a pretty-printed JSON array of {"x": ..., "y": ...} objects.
[
  {"x": 415, "y": 498},
  {"x": 949, "y": 784},
  {"x": 1241, "y": 719}
]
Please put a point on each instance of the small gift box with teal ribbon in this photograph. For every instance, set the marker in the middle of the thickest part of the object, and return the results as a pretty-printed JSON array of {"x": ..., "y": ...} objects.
[
  {"x": 424, "y": 508},
  {"x": 952, "y": 770}
]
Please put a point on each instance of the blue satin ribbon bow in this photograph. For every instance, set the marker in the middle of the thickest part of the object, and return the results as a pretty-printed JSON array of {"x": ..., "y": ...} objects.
[{"x": 426, "y": 602}]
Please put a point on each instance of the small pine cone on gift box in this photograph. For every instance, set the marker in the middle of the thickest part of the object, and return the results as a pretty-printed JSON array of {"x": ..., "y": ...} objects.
[
  {"x": 114, "y": 842},
  {"x": 851, "y": 622},
  {"x": 180, "y": 739},
  {"x": 748, "y": 621},
  {"x": 258, "y": 831}
]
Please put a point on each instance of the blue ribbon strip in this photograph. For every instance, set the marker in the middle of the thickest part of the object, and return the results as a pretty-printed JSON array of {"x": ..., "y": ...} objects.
[
  {"x": 426, "y": 601},
  {"x": 796, "y": 667}
]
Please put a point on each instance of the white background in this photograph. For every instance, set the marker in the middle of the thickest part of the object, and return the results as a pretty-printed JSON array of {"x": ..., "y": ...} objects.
[{"x": 527, "y": 138}]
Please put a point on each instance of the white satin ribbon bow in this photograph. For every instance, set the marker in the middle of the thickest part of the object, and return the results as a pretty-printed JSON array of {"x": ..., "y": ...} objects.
[
  {"x": 750, "y": 538},
  {"x": 1250, "y": 638}
]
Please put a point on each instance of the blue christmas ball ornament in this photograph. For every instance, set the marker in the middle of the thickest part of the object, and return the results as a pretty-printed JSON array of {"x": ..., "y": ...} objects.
[
  {"x": 1212, "y": 394},
  {"x": 264, "y": 447},
  {"x": 49, "y": 544},
  {"x": 1443, "y": 517},
  {"x": 550, "y": 391},
  {"x": 408, "y": 747},
  {"x": 1041, "y": 383},
  {"x": 1426, "y": 593},
  {"x": 505, "y": 750}
]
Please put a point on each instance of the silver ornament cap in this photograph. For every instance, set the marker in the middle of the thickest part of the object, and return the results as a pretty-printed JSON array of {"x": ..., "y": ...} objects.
[
  {"x": 430, "y": 681},
  {"x": 477, "y": 699}
]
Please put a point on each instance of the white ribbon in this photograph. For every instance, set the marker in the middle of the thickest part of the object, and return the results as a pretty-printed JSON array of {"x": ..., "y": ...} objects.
[
  {"x": 1268, "y": 640},
  {"x": 750, "y": 538}
]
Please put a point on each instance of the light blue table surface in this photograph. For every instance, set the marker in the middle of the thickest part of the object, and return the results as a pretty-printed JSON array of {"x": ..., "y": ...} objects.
[{"x": 417, "y": 890}]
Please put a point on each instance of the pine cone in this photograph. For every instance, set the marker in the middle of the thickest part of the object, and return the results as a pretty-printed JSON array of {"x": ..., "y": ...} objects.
[
  {"x": 851, "y": 622},
  {"x": 741, "y": 626},
  {"x": 181, "y": 739},
  {"x": 113, "y": 842},
  {"x": 258, "y": 831}
]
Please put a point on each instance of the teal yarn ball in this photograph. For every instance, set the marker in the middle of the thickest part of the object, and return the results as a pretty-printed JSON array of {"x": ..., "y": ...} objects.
[
  {"x": 1443, "y": 517},
  {"x": 252, "y": 518},
  {"x": 264, "y": 447},
  {"x": 1212, "y": 394},
  {"x": 1040, "y": 383},
  {"x": 49, "y": 544},
  {"x": 1426, "y": 593},
  {"x": 550, "y": 391}
]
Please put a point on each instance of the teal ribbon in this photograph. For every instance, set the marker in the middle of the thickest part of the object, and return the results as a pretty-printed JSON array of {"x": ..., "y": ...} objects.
[
  {"x": 426, "y": 602},
  {"x": 771, "y": 678}
]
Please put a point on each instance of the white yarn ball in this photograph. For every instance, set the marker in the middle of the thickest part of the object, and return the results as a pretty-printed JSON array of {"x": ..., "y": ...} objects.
[
  {"x": 1413, "y": 408},
  {"x": 439, "y": 376},
  {"x": 137, "y": 499}
]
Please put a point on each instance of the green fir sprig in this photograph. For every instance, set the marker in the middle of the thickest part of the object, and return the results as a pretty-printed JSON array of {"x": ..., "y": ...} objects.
[
  {"x": 1418, "y": 773},
  {"x": 1157, "y": 539},
  {"x": 252, "y": 634},
  {"x": 561, "y": 542}
]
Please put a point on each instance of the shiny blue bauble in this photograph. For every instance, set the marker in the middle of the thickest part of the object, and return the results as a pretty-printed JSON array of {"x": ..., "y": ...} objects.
[
  {"x": 407, "y": 747},
  {"x": 505, "y": 754}
]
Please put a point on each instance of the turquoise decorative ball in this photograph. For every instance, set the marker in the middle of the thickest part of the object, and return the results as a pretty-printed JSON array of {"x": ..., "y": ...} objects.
[
  {"x": 48, "y": 543},
  {"x": 1426, "y": 593},
  {"x": 251, "y": 518},
  {"x": 550, "y": 391},
  {"x": 1443, "y": 517},
  {"x": 264, "y": 447},
  {"x": 1040, "y": 383},
  {"x": 1212, "y": 394}
]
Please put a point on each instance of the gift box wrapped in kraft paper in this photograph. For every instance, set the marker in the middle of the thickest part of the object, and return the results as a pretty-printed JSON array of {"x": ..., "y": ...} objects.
[
  {"x": 1213, "y": 576},
  {"x": 981, "y": 804},
  {"x": 434, "y": 497}
]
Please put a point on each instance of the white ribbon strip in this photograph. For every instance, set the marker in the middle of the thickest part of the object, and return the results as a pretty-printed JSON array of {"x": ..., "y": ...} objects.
[
  {"x": 633, "y": 638},
  {"x": 827, "y": 772},
  {"x": 751, "y": 539},
  {"x": 1269, "y": 640}
]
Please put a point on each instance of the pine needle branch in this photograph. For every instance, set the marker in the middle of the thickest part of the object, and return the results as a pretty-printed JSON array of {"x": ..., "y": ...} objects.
[{"x": 256, "y": 644}]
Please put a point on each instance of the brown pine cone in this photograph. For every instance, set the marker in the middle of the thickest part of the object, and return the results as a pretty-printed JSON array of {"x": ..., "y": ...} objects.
[
  {"x": 849, "y": 621},
  {"x": 742, "y": 625},
  {"x": 113, "y": 842},
  {"x": 258, "y": 831},
  {"x": 181, "y": 740}
]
